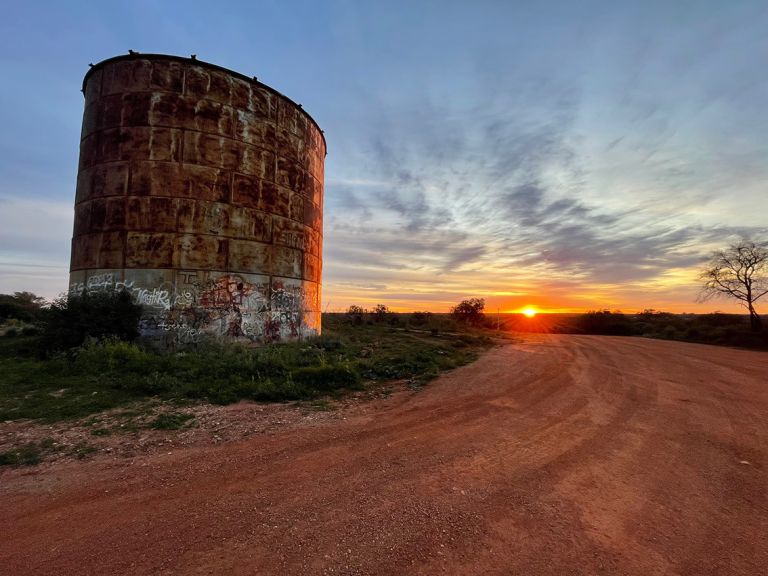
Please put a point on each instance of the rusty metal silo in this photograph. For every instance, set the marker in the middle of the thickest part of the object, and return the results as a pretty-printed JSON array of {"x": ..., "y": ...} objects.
[{"x": 200, "y": 191}]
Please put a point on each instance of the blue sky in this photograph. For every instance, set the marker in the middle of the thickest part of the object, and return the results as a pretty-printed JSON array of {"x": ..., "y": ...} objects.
[{"x": 560, "y": 154}]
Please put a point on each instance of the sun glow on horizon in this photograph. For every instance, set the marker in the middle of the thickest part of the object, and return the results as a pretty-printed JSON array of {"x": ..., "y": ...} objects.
[{"x": 529, "y": 311}]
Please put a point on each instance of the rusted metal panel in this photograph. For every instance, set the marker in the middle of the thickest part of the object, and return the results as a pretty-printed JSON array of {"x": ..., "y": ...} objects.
[
  {"x": 247, "y": 256},
  {"x": 98, "y": 250},
  {"x": 296, "y": 206},
  {"x": 211, "y": 84},
  {"x": 126, "y": 76},
  {"x": 274, "y": 199},
  {"x": 313, "y": 216},
  {"x": 290, "y": 175},
  {"x": 200, "y": 192},
  {"x": 102, "y": 180},
  {"x": 287, "y": 262},
  {"x": 200, "y": 251},
  {"x": 314, "y": 242},
  {"x": 246, "y": 190},
  {"x": 251, "y": 129},
  {"x": 149, "y": 250},
  {"x": 167, "y": 75},
  {"x": 112, "y": 250},
  {"x": 287, "y": 232},
  {"x": 85, "y": 251},
  {"x": 152, "y": 214},
  {"x": 204, "y": 217},
  {"x": 315, "y": 191},
  {"x": 311, "y": 267},
  {"x": 92, "y": 89},
  {"x": 179, "y": 180}
]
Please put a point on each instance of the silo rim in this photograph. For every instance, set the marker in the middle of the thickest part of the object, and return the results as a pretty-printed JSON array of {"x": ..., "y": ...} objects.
[{"x": 204, "y": 64}]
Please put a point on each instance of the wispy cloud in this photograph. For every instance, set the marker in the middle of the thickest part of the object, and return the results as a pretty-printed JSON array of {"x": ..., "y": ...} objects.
[{"x": 508, "y": 190}]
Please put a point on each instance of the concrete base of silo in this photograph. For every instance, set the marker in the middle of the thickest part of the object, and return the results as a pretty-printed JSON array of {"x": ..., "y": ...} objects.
[{"x": 188, "y": 307}]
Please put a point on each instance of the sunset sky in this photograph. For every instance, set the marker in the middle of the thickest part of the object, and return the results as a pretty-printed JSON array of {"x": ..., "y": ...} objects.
[{"x": 564, "y": 155}]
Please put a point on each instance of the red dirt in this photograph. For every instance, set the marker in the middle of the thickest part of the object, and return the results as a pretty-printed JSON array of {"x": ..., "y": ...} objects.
[{"x": 557, "y": 455}]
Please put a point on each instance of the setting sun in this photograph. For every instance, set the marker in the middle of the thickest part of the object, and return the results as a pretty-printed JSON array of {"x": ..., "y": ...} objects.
[{"x": 530, "y": 312}]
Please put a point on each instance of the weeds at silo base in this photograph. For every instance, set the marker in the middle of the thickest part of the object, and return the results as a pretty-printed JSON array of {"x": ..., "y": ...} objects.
[{"x": 100, "y": 376}]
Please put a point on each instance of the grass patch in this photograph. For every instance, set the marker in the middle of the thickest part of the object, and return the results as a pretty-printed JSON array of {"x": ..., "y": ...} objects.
[
  {"x": 105, "y": 375},
  {"x": 170, "y": 421},
  {"x": 82, "y": 450},
  {"x": 28, "y": 454},
  {"x": 320, "y": 405}
]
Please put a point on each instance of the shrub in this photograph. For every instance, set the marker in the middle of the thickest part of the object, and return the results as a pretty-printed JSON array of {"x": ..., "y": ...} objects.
[
  {"x": 356, "y": 314},
  {"x": 469, "y": 311},
  {"x": 670, "y": 333},
  {"x": 605, "y": 322},
  {"x": 381, "y": 312},
  {"x": 26, "y": 455},
  {"x": 722, "y": 320},
  {"x": 421, "y": 318},
  {"x": 24, "y": 306},
  {"x": 111, "y": 355},
  {"x": 748, "y": 339},
  {"x": 74, "y": 319}
]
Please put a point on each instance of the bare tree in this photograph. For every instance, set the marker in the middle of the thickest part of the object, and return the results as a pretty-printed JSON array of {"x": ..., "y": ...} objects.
[{"x": 740, "y": 272}]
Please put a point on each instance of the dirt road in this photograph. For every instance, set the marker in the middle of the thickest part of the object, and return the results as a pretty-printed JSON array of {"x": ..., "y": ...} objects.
[{"x": 558, "y": 455}]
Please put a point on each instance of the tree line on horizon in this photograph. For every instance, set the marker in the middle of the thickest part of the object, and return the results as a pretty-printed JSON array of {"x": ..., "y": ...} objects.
[{"x": 738, "y": 272}]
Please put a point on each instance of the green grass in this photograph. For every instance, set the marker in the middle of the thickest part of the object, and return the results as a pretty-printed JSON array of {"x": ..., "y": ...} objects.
[
  {"x": 27, "y": 454},
  {"x": 320, "y": 405},
  {"x": 106, "y": 375},
  {"x": 54, "y": 390},
  {"x": 82, "y": 450},
  {"x": 170, "y": 421}
]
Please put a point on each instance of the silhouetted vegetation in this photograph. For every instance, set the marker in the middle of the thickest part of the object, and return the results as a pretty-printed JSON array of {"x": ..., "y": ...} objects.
[
  {"x": 739, "y": 272},
  {"x": 717, "y": 328},
  {"x": 21, "y": 306},
  {"x": 421, "y": 318},
  {"x": 470, "y": 311},
  {"x": 73, "y": 319},
  {"x": 356, "y": 314},
  {"x": 604, "y": 322},
  {"x": 382, "y": 313}
]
